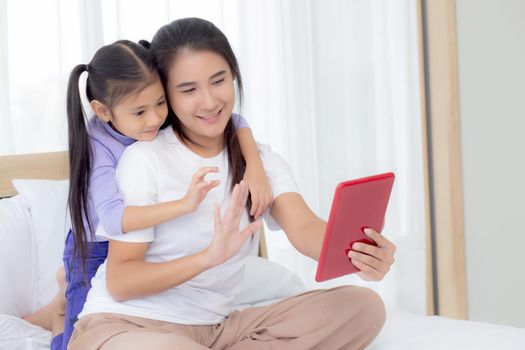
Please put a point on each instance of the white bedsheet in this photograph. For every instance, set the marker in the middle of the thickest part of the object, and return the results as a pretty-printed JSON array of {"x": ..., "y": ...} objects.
[
  {"x": 402, "y": 330},
  {"x": 17, "y": 334},
  {"x": 407, "y": 331}
]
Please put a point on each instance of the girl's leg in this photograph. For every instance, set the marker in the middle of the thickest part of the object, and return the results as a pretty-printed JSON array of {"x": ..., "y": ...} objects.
[
  {"x": 51, "y": 316},
  {"x": 78, "y": 284},
  {"x": 341, "y": 318}
]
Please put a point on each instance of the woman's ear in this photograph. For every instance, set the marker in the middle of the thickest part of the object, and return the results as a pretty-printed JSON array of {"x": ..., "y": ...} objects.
[{"x": 101, "y": 110}]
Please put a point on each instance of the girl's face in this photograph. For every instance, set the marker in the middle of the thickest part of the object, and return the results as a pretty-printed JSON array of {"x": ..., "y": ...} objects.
[
  {"x": 139, "y": 116},
  {"x": 201, "y": 93}
]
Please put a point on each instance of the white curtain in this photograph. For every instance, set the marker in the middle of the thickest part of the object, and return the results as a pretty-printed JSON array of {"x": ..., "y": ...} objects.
[{"x": 332, "y": 85}]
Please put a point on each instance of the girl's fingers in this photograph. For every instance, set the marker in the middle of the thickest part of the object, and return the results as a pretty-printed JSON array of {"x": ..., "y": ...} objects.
[
  {"x": 212, "y": 184},
  {"x": 267, "y": 202},
  {"x": 199, "y": 175},
  {"x": 208, "y": 185},
  {"x": 269, "y": 199},
  {"x": 255, "y": 203}
]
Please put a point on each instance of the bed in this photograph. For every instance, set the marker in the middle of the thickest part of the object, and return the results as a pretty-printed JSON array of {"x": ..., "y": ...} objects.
[{"x": 33, "y": 225}]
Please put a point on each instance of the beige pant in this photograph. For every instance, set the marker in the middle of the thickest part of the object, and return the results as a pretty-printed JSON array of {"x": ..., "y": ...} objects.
[{"x": 340, "y": 318}]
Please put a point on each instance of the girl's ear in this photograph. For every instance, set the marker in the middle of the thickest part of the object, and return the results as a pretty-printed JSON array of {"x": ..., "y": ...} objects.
[{"x": 101, "y": 110}]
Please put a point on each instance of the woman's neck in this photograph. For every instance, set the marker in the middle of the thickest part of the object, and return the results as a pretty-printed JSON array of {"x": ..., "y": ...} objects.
[{"x": 203, "y": 146}]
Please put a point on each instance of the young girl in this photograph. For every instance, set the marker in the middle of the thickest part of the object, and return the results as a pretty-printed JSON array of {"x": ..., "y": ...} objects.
[
  {"x": 185, "y": 273},
  {"x": 125, "y": 93}
]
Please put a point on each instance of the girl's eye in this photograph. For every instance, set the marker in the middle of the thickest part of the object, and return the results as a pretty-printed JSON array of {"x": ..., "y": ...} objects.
[
  {"x": 161, "y": 103},
  {"x": 139, "y": 113},
  {"x": 218, "y": 82},
  {"x": 188, "y": 91}
]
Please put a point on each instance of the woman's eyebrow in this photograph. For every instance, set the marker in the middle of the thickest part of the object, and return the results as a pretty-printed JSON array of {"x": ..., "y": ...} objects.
[
  {"x": 188, "y": 83},
  {"x": 217, "y": 74},
  {"x": 184, "y": 84}
]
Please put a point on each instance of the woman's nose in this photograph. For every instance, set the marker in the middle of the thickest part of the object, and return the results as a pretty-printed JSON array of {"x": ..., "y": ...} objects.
[{"x": 208, "y": 102}]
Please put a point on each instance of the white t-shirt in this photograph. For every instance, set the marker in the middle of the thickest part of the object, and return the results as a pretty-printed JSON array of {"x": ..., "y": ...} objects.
[{"x": 159, "y": 171}]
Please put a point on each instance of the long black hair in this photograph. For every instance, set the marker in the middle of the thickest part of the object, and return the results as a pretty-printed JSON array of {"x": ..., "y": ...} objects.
[
  {"x": 115, "y": 71},
  {"x": 200, "y": 35}
]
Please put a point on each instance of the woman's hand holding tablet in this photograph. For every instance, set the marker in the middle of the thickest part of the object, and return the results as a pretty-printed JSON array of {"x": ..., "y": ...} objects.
[{"x": 352, "y": 242}]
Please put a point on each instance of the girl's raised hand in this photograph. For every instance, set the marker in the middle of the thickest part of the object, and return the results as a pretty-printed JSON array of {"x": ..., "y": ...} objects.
[
  {"x": 260, "y": 189},
  {"x": 228, "y": 238},
  {"x": 199, "y": 188}
]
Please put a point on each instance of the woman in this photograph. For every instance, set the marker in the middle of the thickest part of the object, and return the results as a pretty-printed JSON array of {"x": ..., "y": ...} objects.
[{"x": 172, "y": 286}]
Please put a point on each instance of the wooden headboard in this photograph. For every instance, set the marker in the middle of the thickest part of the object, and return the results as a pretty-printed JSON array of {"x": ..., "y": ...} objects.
[{"x": 50, "y": 166}]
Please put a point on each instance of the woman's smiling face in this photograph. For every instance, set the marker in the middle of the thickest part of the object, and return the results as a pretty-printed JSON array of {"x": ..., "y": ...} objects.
[{"x": 202, "y": 95}]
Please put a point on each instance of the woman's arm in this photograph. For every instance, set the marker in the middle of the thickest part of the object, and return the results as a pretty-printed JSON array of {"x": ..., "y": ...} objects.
[
  {"x": 306, "y": 233},
  {"x": 130, "y": 276},
  {"x": 304, "y": 229}
]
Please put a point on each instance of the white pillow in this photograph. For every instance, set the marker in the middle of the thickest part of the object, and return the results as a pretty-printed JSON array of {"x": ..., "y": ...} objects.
[
  {"x": 18, "y": 266},
  {"x": 47, "y": 203},
  {"x": 266, "y": 281}
]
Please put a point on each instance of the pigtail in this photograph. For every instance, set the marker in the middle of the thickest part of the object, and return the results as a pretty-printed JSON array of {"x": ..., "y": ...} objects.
[
  {"x": 115, "y": 71},
  {"x": 145, "y": 44},
  {"x": 236, "y": 162},
  {"x": 80, "y": 160}
]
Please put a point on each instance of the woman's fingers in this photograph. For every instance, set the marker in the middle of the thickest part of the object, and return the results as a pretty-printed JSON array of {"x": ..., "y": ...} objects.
[
  {"x": 378, "y": 253},
  {"x": 373, "y": 261},
  {"x": 367, "y": 273},
  {"x": 251, "y": 228},
  {"x": 369, "y": 260},
  {"x": 217, "y": 214},
  {"x": 234, "y": 200},
  {"x": 380, "y": 240},
  {"x": 237, "y": 202}
]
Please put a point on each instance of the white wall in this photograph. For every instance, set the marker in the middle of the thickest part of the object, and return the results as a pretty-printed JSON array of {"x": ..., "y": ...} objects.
[{"x": 491, "y": 50}]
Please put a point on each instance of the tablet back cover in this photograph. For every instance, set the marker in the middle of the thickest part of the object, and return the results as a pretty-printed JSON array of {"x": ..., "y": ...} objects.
[{"x": 357, "y": 204}]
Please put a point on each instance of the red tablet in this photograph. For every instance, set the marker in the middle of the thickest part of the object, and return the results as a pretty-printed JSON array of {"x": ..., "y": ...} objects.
[{"x": 357, "y": 204}]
